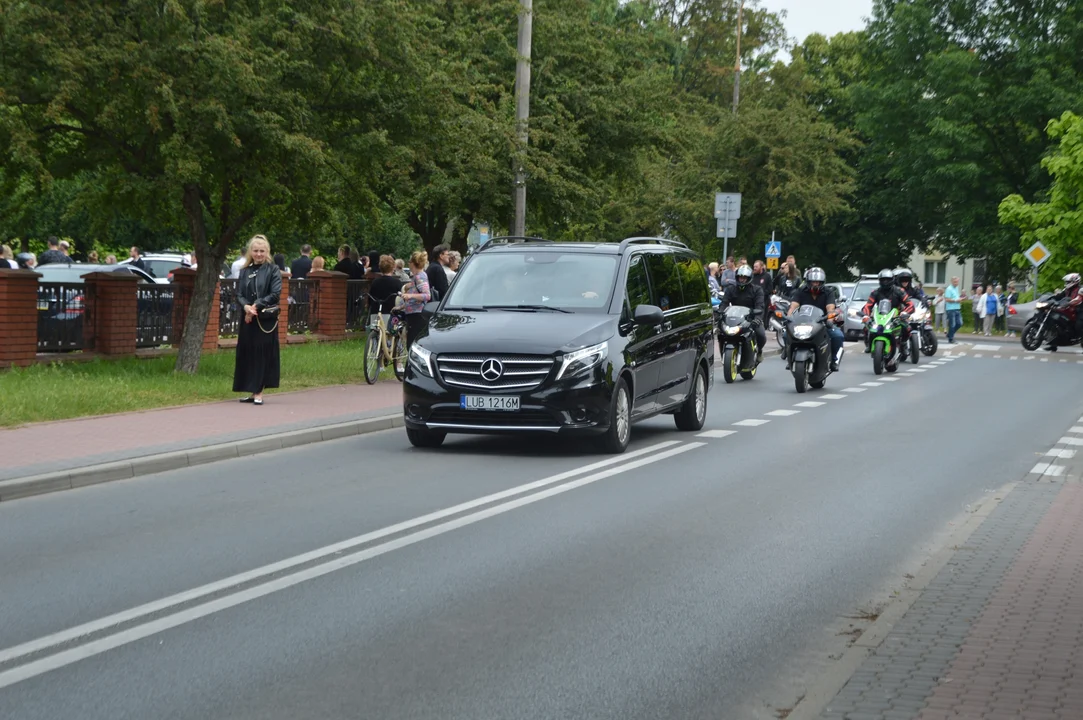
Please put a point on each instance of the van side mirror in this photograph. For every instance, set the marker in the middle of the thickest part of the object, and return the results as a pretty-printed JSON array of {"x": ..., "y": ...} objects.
[
  {"x": 430, "y": 309},
  {"x": 648, "y": 315}
]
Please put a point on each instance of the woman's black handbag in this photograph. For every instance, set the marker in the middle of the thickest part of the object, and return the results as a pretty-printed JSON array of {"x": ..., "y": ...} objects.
[{"x": 268, "y": 314}]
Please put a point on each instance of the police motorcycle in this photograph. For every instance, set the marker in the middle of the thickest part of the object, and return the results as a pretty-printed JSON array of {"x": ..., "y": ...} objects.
[
  {"x": 808, "y": 347},
  {"x": 737, "y": 338}
]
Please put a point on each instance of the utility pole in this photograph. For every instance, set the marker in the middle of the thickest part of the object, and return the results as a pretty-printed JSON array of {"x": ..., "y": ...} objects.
[
  {"x": 522, "y": 111},
  {"x": 737, "y": 67}
]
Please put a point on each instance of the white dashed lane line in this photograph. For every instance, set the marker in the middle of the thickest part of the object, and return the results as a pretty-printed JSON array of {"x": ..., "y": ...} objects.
[
  {"x": 871, "y": 384},
  {"x": 1062, "y": 454},
  {"x": 782, "y": 413},
  {"x": 809, "y": 404},
  {"x": 751, "y": 423},
  {"x": 1070, "y": 441},
  {"x": 854, "y": 389},
  {"x": 716, "y": 434},
  {"x": 832, "y": 396},
  {"x": 1048, "y": 470}
]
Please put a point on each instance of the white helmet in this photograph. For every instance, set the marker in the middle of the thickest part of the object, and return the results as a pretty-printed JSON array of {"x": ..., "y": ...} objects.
[{"x": 1071, "y": 280}]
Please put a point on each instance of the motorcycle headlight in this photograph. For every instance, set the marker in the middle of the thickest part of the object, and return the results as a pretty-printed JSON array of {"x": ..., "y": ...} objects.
[
  {"x": 421, "y": 359},
  {"x": 802, "y": 332},
  {"x": 580, "y": 361},
  {"x": 732, "y": 329},
  {"x": 1040, "y": 306}
]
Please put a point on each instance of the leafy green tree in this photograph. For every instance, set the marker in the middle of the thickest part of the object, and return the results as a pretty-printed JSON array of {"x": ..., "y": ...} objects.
[
  {"x": 1058, "y": 221},
  {"x": 229, "y": 117}
]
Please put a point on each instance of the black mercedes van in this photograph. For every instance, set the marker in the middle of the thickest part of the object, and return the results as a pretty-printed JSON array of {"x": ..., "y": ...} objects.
[{"x": 536, "y": 336}]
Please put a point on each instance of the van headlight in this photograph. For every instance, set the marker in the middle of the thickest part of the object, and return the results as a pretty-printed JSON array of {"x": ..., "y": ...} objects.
[
  {"x": 802, "y": 332},
  {"x": 578, "y": 362},
  {"x": 421, "y": 359}
]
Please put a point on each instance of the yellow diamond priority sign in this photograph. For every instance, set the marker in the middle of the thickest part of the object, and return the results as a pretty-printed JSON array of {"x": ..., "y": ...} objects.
[{"x": 1037, "y": 254}]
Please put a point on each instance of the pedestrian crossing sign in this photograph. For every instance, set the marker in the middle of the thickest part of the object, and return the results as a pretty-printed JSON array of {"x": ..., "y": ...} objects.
[
  {"x": 773, "y": 249},
  {"x": 1037, "y": 254}
]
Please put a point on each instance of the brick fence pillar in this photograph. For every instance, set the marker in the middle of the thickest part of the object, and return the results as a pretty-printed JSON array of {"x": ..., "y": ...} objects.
[
  {"x": 330, "y": 293},
  {"x": 184, "y": 279},
  {"x": 18, "y": 317},
  {"x": 284, "y": 313},
  {"x": 112, "y": 304}
]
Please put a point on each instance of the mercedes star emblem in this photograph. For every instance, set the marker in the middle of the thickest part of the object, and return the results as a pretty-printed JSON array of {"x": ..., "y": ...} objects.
[{"x": 492, "y": 370}]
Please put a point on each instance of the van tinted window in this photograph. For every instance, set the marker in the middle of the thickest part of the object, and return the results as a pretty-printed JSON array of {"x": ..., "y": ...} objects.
[
  {"x": 637, "y": 289},
  {"x": 693, "y": 280},
  {"x": 665, "y": 280}
]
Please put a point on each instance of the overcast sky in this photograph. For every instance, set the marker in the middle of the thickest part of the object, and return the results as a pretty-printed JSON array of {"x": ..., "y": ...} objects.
[{"x": 827, "y": 17}]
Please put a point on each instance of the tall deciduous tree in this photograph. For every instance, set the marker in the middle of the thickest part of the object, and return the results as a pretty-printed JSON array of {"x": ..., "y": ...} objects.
[
  {"x": 224, "y": 114},
  {"x": 1058, "y": 221}
]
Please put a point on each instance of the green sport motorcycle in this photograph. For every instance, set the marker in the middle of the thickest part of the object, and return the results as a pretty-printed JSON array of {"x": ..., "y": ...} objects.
[{"x": 885, "y": 339}]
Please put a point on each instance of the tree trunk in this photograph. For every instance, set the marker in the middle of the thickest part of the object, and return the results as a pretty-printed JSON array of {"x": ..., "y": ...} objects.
[
  {"x": 199, "y": 309},
  {"x": 459, "y": 240},
  {"x": 430, "y": 226}
]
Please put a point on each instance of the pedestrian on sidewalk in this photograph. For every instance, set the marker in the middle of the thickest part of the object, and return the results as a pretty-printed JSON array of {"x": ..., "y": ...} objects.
[
  {"x": 975, "y": 304},
  {"x": 940, "y": 316},
  {"x": 318, "y": 263},
  {"x": 998, "y": 324},
  {"x": 257, "y": 364},
  {"x": 953, "y": 308},
  {"x": 989, "y": 308},
  {"x": 415, "y": 295}
]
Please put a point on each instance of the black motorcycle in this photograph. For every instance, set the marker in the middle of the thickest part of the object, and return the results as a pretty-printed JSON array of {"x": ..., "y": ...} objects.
[
  {"x": 921, "y": 327},
  {"x": 808, "y": 347},
  {"x": 737, "y": 337},
  {"x": 1053, "y": 323}
]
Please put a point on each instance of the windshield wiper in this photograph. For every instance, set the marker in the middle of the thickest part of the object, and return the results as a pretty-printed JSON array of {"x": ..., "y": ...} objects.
[
  {"x": 469, "y": 308},
  {"x": 530, "y": 308}
]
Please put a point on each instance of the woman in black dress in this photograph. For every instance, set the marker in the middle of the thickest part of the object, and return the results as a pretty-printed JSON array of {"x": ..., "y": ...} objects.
[{"x": 258, "y": 290}]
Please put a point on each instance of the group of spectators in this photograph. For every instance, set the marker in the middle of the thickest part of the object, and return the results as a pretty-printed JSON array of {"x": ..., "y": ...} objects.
[
  {"x": 785, "y": 282},
  {"x": 57, "y": 252}
]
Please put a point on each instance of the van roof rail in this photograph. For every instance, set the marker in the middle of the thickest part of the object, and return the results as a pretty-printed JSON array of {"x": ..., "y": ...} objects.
[
  {"x": 651, "y": 241},
  {"x": 512, "y": 239}
]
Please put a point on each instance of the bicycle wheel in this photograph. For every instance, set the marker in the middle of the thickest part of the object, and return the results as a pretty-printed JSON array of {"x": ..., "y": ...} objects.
[
  {"x": 372, "y": 357},
  {"x": 398, "y": 356}
]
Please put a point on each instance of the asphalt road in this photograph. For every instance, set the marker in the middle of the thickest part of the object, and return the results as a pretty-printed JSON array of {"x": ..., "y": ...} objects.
[{"x": 695, "y": 577}]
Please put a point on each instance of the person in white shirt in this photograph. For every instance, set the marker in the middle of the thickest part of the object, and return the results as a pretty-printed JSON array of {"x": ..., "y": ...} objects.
[
  {"x": 235, "y": 269},
  {"x": 7, "y": 259}
]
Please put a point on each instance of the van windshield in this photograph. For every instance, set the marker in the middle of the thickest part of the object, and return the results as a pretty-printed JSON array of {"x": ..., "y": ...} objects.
[{"x": 568, "y": 281}]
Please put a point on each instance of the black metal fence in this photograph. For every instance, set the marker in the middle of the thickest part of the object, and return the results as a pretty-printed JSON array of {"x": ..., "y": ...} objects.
[
  {"x": 302, "y": 306},
  {"x": 229, "y": 315},
  {"x": 61, "y": 316},
  {"x": 357, "y": 293},
  {"x": 154, "y": 324}
]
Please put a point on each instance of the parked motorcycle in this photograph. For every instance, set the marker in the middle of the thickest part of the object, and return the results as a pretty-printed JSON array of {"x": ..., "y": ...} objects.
[
  {"x": 921, "y": 327},
  {"x": 1053, "y": 323},
  {"x": 808, "y": 351},
  {"x": 738, "y": 340},
  {"x": 885, "y": 338}
]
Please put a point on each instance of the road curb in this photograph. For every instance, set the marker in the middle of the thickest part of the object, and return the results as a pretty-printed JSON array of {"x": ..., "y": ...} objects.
[
  {"x": 820, "y": 694},
  {"x": 163, "y": 462}
]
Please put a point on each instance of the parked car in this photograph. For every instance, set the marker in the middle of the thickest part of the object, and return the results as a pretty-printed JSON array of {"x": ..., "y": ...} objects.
[
  {"x": 564, "y": 337},
  {"x": 843, "y": 291},
  {"x": 160, "y": 266},
  {"x": 852, "y": 327},
  {"x": 61, "y": 306},
  {"x": 1018, "y": 315}
]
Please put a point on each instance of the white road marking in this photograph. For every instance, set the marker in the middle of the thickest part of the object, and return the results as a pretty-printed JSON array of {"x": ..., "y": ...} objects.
[
  {"x": 977, "y": 355},
  {"x": 1014, "y": 357},
  {"x": 904, "y": 374},
  {"x": 916, "y": 369},
  {"x": 1048, "y": 470},
  {"x": 754, "y": 422},
  {"x": 831, "y": 396},
  {"x": 982, "y": 346},
  {"x": 809, "y": 404},
  {"x": 888, "y": 379},
  {"x": 1070, "y": 441},
  {"x": 716, "y": 434},
  {"x": 1045, "y": 359},
  {"x": 1066, "y": 361},
  {"x": 187, "y": 596},
  {"x": 997, "y": 357},
  {"x": 138, "y": 632},
  {"x": 1076, "y": 430},
  {"x": 1062, "y": 454},
  {"x": 782, "y": 413},
  {"x": 871, "y": 384},
  {"x": 854, "y": 389},
  {"x": 1028, "y": 357}
]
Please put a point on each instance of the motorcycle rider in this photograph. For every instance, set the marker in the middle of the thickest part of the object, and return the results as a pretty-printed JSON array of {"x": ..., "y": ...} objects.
[
  {"x": 905, "y": 280},
  {"x": 1075, "y": 297},
  {"x": 900, "y": 300},
  {"x": 813, "y": 292},
  {"x": 747, "y": 294}
]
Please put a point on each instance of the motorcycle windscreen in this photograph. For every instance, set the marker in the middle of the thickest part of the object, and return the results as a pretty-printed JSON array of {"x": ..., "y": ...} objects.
[
  {"x": 808, "y": 313},
  {"x": 735, "y": 314},
  {"x": 884, "y": 307}
]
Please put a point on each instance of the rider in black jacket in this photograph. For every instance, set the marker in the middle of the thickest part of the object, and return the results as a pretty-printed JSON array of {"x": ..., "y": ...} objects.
[
  {"x": 747, "y": 294},
  {"x": 888, "y": 291}
]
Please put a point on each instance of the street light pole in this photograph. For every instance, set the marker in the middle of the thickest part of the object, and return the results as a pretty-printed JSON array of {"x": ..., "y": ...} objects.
[
  {"x": 522, "y": 111},
  {"x": 737, "y": 67}
]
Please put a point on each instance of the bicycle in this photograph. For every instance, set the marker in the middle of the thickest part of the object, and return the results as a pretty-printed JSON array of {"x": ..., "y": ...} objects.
[{"x": 385, "y": 345}]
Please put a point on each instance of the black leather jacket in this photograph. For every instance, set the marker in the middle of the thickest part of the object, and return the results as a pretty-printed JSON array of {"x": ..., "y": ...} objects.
[
  {"x": 259, "y": 285},
  {"x": 749, "y": 296}
]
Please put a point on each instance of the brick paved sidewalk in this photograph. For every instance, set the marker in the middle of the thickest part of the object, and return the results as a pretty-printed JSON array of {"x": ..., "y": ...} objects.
[
  {"x": 68, "y": 444},
  {"x": 998, "y": 633}
]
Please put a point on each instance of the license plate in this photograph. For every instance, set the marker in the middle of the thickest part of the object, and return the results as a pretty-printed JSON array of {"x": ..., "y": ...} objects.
[{"x": 489, "y": 402}]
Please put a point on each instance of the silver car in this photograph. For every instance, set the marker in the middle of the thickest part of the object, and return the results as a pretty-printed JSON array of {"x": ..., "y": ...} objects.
[
  {"x": 1018, "y": 315},
  {"x": 853, "y": 328}
]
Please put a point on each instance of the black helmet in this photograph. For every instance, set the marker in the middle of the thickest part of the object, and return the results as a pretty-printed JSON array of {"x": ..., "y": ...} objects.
[
  {"x": 815, "y": 277},
  {"x": 887, "y": 279},
  {"x": 744, "y": 275},
  {"x": 904, "y": 274}
]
